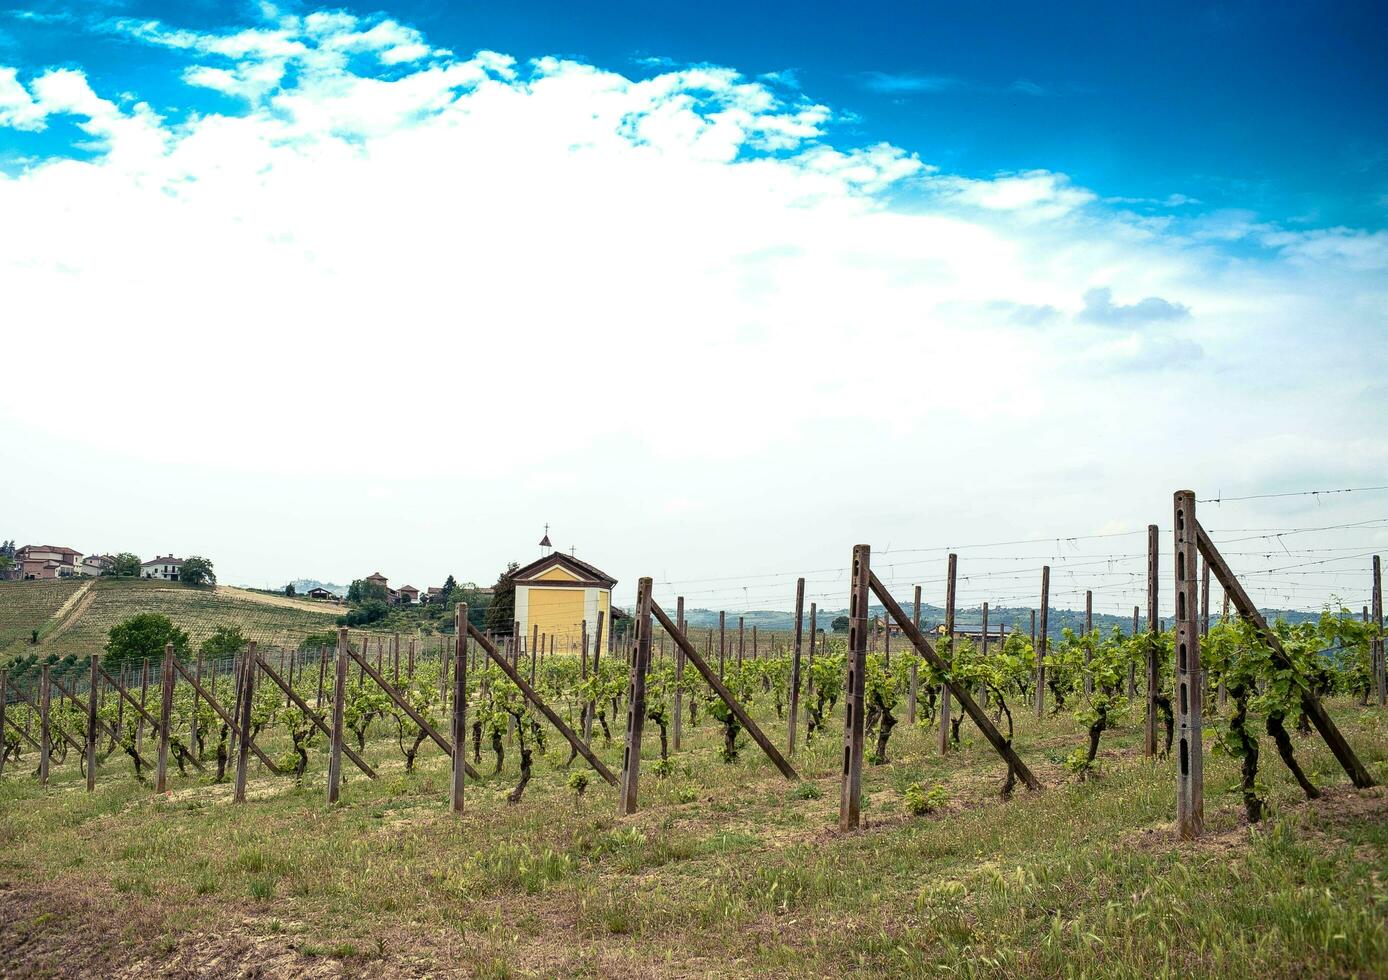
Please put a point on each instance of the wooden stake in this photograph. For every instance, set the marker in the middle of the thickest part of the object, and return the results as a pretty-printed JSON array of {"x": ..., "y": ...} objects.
[
  {"x": 1190, "y": 679},
  {"x": 795, "y": 665},
  {"x": 166, "y": 693},
  {"x": 1088, "y": 650},
  {"x": 809, "y": 679},
  {"x": 460, "y": 624},
  {"x": 45, "y": 730},
  {"x": 679, "y": 673},
  {"x": 636, "y": 702},
  {"x": 722, "y": 641},
  {"x": 1150, "y": 737},
  {"x": 1043, "y": 641},
  {"x": 339, "y": 705},
  {"x": 912, "y": 685},
  {"x": 592, "y": 702},
  {"x": 4, "y": 697},
  {"x": 92, "y": 689},
  {"x": 243, "y": 721},
  {"x": 949, "y": 660},
  {"x": 850, "y": 797},
  {"x": 1132, "y": 664},
  {"x": 1380, "y": 668}
]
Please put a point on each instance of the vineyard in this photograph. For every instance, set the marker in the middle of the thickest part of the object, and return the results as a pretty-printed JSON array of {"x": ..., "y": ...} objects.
[
  {"x": 1199, "y": 800},
  {"x": 83, "y": 627}
]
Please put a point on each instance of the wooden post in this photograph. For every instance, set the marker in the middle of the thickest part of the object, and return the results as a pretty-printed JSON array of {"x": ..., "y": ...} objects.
[
  {"x": 4, "y": 697},
  {"x": 243, "y": 720},
  {"x": 322, "y": 670},
  {"x": 741, "y": 639},
  {"x": 409, "y": 664},
  {"x": 193, "y": 722},
  {"x": 166, "y": 693},
  {"x": 722, "y": 641},
  {"x": 636, "y": 702},
  {"x": 1150, "y": 740},
  {"x": 1044, "y": 643},
  {"x": 45, "y": 730},
  {"x": 809, "y": 670},
  {"x": 92, "y": 690},
  {"x": 592, "y": 703},
  {"x": 949, "y": 660},
  {"x": 795, "y": 664},
  {"x": 912, "y": 684},
  {"x": 1190, "y": 680},
  {"x": 534, "y": 650},
  {"x": 850, "y": 798},
  {"x": 1088, "y": 649},
  {"x": 1380, "y": 677},
  {"x": 459, "y": 704},
  {"x": 679, "y": 674},
  {"x": 339, "y": 704},
  {"x": 144, "y": 690}
]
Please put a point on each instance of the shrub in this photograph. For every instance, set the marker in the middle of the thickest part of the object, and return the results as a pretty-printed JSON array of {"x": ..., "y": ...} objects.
[{"x": 921, "y": 801}]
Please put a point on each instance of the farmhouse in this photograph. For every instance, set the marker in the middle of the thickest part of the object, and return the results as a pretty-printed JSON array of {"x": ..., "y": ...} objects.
[
  {"x": 407, "y": 595},
  {"x": 318, "y": 592},
  {"x": 998, "y": 635},
  {"x": 557, "y": 593},
  {"x": 165, "y": 568},
  {"x": 40, "y": 561},
  {"x": 96, "y": 565}
]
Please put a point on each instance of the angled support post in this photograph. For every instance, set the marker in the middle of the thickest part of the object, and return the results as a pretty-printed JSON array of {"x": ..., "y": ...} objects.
[
  {"x": 1001, "y": 745},
  {"x": 293, "y": 698},
  {"x": 1310, "y": 704},
  {"x": 514, "y": 676},
  {"x": 719, "y": 688}
]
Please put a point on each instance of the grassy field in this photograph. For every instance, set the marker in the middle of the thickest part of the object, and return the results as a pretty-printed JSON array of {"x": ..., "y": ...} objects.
[
  {"x": 82, "y": 627},
  {"x": 728, "y": 869}
]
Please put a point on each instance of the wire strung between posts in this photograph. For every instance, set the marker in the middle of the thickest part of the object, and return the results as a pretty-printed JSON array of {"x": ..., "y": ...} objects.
[{"x": 1288, "y": 493}]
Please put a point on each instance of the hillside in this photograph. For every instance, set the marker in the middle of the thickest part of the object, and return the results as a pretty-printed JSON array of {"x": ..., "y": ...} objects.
[{"x": 75, "y": 615}]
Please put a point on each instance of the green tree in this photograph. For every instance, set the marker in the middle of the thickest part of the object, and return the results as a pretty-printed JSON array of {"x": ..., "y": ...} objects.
[
  {"x": 449, "y": 584},
  {"x": 6, "y": 563},
  {"x": 290, "y": 590},
  {"x": 125, "y": 565},
  {"x": 143, "y": 637},
  {"x": 840, "y": 624},
  {"x": 362, "y": 591},
  {"x": 197, "y": 571},
  {"x": 225, "y": 641},
  {"x": 501, "y": 614}
]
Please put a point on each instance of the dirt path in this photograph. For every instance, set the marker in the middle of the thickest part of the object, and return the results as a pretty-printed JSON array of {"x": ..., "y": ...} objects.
[{"x": 71, "y": 611}]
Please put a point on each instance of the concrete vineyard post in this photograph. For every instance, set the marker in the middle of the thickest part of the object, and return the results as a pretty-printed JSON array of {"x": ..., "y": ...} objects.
[
  {"x": 636, "y": 702},
  {"x": 459, "y": 705},
  {"x": 951, "y": 568},
  {"x": 339, "y": 697},
  {"x": 5, "y": 696},
  {"x": 166, "y": 693},
  {"x": 1042, "y": 641},
  {"x": 1150, "y": 739},
  {"x": 795, "y": 664},
  {"x": 1190, "y": 681},
  {"x": 1204, "y": 599},
  {"x": 850, "y": 798}
]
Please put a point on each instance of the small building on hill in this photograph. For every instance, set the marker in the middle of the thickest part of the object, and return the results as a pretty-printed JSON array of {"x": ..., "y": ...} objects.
[
  {"x": 408, "y": 595},
  {"x": 557, "y": 594},
  {"x": 40, "y": 561},
  {"x": 319, "y": 592},
  {"x": 165, "y": 568}
]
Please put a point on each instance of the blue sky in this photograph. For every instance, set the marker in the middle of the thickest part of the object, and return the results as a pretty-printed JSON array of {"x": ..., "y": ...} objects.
[
  {"x": 1278, "y": 108},
  {"x": 333, "y": 290}
]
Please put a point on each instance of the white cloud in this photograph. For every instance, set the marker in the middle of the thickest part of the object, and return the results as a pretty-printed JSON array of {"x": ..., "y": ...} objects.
[{"x": 497, "y": 280}]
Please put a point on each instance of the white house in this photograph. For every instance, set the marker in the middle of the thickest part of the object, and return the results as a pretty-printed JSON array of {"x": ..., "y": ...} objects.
[{"x": 165, "y": 568}]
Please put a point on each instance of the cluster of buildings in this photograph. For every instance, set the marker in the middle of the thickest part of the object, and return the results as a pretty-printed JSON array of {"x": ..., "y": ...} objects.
[
  {"x": 45, "y": 561},
  {"x": 406, "y": 595}
]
